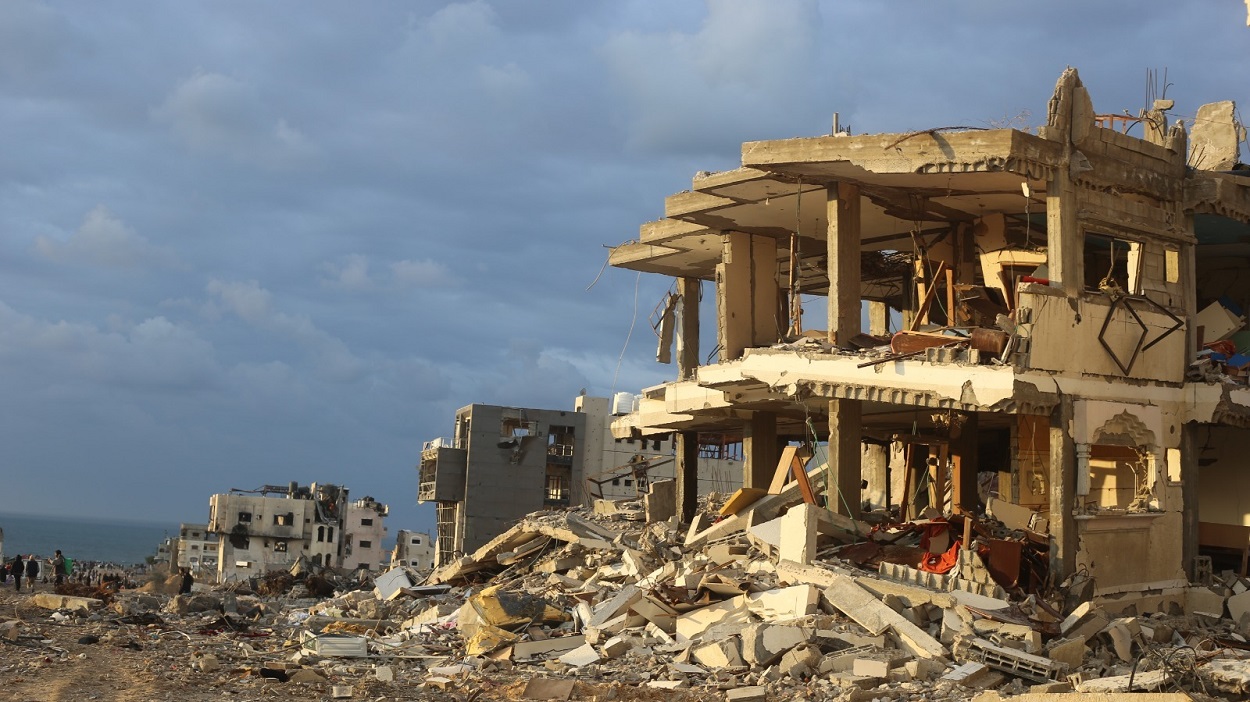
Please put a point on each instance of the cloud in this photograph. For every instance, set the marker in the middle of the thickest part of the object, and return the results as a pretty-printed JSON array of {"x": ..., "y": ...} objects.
[
  {"x": 707, "y": 89},
  {"x": 332, "y": 359},
  {"x": 104, "y": 240},
  {"x": 214, "y": 113},
  {"x": 154, "y": 354},
  {"x": 420, "y": 273},
  {"x": 354, "y": 273}
]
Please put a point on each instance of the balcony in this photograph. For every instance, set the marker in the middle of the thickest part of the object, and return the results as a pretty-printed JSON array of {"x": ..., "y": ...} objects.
[{"x": 442, "y": 474}]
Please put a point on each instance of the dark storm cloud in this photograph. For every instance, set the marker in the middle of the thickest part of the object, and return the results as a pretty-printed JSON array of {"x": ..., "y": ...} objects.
[{"x": 251, "y": 243}]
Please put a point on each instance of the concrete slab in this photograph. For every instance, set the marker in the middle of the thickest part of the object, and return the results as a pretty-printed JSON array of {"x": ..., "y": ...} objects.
[{"x": 798, "y": 533}]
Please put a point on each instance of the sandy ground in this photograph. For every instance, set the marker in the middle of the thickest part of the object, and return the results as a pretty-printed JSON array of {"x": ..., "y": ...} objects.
[{"x": 133, "y": 662}]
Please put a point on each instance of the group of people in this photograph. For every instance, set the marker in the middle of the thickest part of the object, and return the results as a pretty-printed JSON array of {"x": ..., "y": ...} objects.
[{"x": 29, "y": 567}]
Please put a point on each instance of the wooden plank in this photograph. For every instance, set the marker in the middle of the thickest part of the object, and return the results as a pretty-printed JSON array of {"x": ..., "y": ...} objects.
[
  {"x": 788, "y": 455},
  {"x": 800, "y": 477},
  {"x": 913, "y": 341},
  {"x": 742, "y": 499},
  {"x": 922, "y": 314}
]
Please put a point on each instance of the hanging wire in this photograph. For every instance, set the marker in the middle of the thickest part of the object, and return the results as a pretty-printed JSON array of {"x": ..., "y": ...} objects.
[{"x": 634, "y": 320}]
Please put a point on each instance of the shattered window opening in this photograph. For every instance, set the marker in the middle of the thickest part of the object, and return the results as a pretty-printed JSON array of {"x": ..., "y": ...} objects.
[
  {"x": 245, "y": 517},
  {"x": 279, "y": 547},
  {"x": 1107, "y": 264}
]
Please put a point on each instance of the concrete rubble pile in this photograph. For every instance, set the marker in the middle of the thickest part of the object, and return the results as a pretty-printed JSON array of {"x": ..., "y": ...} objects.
[{"x": 753, "y": 606}]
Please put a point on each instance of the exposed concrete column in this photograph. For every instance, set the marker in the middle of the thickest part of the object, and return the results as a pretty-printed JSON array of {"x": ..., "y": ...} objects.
[
  {"x": 1063, "y": 538},
  {"x": 746, "y": 293},
  {"x": 963, "y": 447},
  {"x": 1190, "y": 448},
  {"x": 686, "y": 444},
  {"x": 688, "y": 332},
  {"x": 1064, "y": 243},
  {"x": 759, "y": 448},
  {"x": 878, "y": 318},
  {"x": 842, "y": 248},
  {"x": 842, "y": 212}
]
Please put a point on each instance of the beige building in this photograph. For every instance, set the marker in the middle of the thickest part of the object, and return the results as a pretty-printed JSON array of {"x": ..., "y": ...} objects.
[
  {"x": 274, "y": 527},
  {"x": 1036, "y": 304},
  {"x": 197, "y": 548},
  {"x": 413, "y": 549},
  {"x": 364, "y": 532}
]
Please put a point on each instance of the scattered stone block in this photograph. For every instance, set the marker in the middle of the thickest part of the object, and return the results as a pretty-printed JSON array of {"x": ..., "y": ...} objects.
[
  {"x": 1069, "y": 651},
  {"x": 724, "y": 653},
  {"x": 798, "y": 533},
  {"x": 580, "y": 656},
  {"x": 765, "y": 644},
  {"x": 800, "y": 661},
  {"x": 870, "y": 668},
  {"x": 753, "y": 693}
]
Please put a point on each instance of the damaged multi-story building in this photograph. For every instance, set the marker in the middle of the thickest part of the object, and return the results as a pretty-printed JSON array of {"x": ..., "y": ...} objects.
[
  {"x": 273, "y": 527},
  {"x": 502, "y": 463},
  {"x": 1043, "y": 322}
]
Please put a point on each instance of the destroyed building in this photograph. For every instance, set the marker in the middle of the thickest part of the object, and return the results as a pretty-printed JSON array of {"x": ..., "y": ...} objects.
[
  {"x": 273, "y": 527},
  {"x": 1066, "y": 307},
  {"x": 197, "y": 547},
  {"x": 364, "y": 530},
  {"x": 627, "y": 465},
  {"x": 413, "y": 549},
  {"x": 502, "y": 463}
]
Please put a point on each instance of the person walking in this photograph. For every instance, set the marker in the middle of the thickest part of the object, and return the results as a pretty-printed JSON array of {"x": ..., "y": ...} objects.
[
  {"x": 17, "y": 568},
  {"x": 32, "y": 572},
  {"x": 184, "y": 588}
]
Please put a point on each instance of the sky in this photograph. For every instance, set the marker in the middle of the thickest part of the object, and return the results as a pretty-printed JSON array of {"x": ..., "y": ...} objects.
[{"x": 251, "y": 243}]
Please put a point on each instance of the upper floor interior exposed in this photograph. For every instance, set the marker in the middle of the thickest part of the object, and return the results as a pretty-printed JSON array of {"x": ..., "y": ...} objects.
[{"x": 1090, "y": 246}]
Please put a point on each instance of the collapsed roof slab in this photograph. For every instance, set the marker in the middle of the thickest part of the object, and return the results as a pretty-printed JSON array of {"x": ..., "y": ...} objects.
[{"x": 995, "y": 160}]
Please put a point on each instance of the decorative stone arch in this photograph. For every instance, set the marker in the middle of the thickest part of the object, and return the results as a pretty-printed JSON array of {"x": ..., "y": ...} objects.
[{"x": 1125, "y": 429}]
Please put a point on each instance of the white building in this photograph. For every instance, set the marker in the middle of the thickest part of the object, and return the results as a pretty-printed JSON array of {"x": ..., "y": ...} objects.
[
  {"x": 363, "y": 534},
  {"x": 413, "y": 549},
  {"x": 273, "y": 527},
  {"x": 197, "y": 547}
]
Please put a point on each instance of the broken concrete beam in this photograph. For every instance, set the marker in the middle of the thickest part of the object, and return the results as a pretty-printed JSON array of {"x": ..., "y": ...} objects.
[
  {"x": 867, "y": 611},
  {"x": 1086, "y": 620},
  {"x": 966, "y": 674},
  {"x": 1202, "y": 599},
  {"x": 798, "y": 533},
  {"x": 752, "y": 693},
  {"x": 784, "y": 603},
  {"x": 733, "y": 612},
  {"x": 531, "y": 649},
  {"x": 47, "y": 600},
  {"x": 615, "y": 605},
  {"x": 910, "y": 596},
  {"x": 1142, "y": 681}
]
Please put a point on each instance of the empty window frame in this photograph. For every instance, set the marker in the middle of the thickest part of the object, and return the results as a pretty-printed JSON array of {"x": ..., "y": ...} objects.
[{"x": 1111, "y": 263}]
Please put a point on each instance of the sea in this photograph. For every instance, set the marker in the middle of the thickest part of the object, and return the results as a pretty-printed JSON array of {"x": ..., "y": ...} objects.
[{"x": 115, "y": 541}]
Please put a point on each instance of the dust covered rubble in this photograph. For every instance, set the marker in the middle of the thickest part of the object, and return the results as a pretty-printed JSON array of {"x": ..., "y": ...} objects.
[{"x": 566, "y": 604}]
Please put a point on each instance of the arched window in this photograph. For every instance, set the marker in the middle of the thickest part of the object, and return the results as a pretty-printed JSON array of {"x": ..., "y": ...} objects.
[{"x": 321, "y": 533}]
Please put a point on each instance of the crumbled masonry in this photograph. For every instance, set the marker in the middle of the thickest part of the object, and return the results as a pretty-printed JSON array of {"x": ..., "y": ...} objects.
[{"x": 611, "y": 608}]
